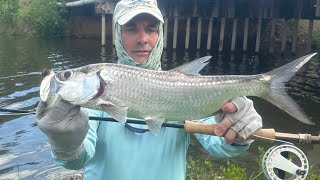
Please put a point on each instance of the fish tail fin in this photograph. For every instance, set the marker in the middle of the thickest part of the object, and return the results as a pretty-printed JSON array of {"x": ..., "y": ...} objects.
[{"x": 278, "y": 96}]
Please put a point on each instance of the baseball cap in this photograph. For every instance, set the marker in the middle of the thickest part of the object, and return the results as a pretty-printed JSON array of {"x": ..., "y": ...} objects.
[{"x": 125, "y": 10}]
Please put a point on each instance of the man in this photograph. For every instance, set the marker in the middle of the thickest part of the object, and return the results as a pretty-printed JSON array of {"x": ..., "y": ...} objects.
[{"x": 113, "y": 151}]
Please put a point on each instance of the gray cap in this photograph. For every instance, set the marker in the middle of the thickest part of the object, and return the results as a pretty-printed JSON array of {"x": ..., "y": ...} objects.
[{"x": 125, "y": 10}]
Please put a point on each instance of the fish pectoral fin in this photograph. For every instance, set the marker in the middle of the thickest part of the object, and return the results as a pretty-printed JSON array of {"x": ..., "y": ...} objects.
[
  {"x": 193, "y": 67},
  {"x": 154, "y": 125},
  {"x": 118, "y": 113}
]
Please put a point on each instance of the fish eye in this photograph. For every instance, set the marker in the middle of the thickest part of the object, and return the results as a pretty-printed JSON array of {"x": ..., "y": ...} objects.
[{"x": 65, "y": 75}]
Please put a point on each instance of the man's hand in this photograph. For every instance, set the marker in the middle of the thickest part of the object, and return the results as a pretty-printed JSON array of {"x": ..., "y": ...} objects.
[
  {"x": 240, "y": 121},
  {"x": 66, "y": 126}
]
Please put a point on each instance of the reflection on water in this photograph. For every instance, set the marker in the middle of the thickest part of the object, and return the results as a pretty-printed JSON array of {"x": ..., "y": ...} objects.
[{"x": 24, "y": 150}]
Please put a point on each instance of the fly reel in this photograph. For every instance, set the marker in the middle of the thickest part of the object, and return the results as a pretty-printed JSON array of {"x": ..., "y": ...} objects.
[{"x": 285, "y": 161}]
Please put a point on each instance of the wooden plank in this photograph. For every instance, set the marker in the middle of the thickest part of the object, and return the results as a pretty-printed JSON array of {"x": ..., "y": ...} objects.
[
  {"x": 260, "y": 16},
  {"x": 234, "y": 34},
  {"x": 199, "y": 32},
  {"x": 273, "y": 26},
  {"x": 295, "y": 35},
  {"x": 210, "y": 26},
  {"x": 165, "y": 32},
  {"x": 298, "y": 10},
  {"x": 216, "y": 9},
  {"x": 317, "y": 8},
  {"x": 309, "y": 40},
  {"x": 175, "y": 28},
  {"x": 187, "y": 33},
  {"x": 231, "y": 8},
  {"x": 195, "y": 8},
  {"x": 284, "y": 36},
  {"x": 273, "y": 29},
  {"x": 209, "y": 34},
  {"x": 103, "y": 29},
  {"x": 245, "y": 34},
  {"x": 223, "y": 25},
  {"x": 113, "y": 32},
  {"x": 258, "y": 35},
  {"x": 297, "y": 16},
  {"x": 175, "y": 32}
]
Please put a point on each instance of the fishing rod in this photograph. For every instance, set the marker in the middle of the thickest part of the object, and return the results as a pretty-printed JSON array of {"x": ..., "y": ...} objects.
[
  {"x": 17, "y": 111},
  {"x": 201, "y": 128},
  {"x": 275, "y": 162}
]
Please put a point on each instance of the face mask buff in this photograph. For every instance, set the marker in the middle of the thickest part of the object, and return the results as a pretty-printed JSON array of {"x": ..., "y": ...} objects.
[{"x": 154, "y": 60}]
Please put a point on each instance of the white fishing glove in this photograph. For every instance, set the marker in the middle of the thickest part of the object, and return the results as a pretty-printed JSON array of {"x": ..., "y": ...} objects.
[
  {"x": 66, "y": 126},
  {"x": 244, "y": 120}
]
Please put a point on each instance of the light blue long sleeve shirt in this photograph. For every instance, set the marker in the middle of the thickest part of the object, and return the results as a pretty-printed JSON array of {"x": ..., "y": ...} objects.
[{"x": 111, "y": 151}]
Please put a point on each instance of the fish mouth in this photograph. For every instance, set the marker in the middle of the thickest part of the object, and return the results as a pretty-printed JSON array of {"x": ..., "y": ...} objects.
[
  {"x": 48, "y": 90},
  {"x": 45, "y": 86}
]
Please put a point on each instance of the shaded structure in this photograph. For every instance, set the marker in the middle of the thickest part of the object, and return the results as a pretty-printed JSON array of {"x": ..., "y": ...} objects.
[{"x": 227, "y": 25}]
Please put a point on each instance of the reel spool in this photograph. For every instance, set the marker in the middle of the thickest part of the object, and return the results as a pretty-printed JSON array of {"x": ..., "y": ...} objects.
[{"x": 295, "y": 166}]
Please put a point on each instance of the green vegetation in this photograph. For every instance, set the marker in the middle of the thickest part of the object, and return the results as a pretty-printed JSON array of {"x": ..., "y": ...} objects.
[
  {"x": 8, "y": 12},
  {"x": 205, "y": 170},
  {"x": 33, "y": 17}
]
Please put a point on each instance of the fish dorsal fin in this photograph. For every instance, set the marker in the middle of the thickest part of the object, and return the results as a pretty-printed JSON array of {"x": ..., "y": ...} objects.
[
  {"x": 193, "y": 67},
  {"x": 154, "y": 125},
  {"x": 118, "y": 113}
]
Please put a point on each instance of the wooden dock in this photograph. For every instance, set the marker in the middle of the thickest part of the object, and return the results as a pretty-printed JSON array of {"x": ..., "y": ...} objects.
[{"x": 230, "y": 25}]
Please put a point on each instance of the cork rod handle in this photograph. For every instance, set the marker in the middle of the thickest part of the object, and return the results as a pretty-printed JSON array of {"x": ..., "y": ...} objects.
[{"x": 200, "y": 128}]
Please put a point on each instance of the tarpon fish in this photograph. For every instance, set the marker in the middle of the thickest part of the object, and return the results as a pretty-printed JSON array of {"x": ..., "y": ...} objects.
[{"x": 158, "y": 96}]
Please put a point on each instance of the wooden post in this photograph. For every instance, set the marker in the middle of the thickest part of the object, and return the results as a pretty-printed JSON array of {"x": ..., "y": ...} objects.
[
  {"x": 273, "y": 29},
  {"x": 295, "y": 36},
  {"x": 245, "y": 35},
  {"x": 213, "y": 13},
  {"x": 223, "y": 25},
  {"x": 199, "y": 33},
  {"x": 317, "y": 8},
  {"x": 103, "y": 54},
  {"x": 259, "y": 28},
  {"x": 103, "y": 29},
  {"x": 209, "y": 33},
  {"x": 231, "y": 14},
  {"x": 309, "y": 41},
  {"x": 231, "y": 8},
  {"x": 216, "y": 9},
  {"x": 284, "y": 36},
  {"x": 113, "y": 31},
  {"x": 258, "y": 35},
  {"x": 297, "y": 16},
  {"x": 106, "y": 8},
  {"x": 187, "y": 33},
  {"x": 195, "y": 14},
  {"x": 175, "y": 28},
  {"x": 234, "y": 34},
  {"x": 165, "y": 32}
]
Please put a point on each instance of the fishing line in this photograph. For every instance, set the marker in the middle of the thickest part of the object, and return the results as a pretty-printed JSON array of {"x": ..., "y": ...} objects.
[
  {"x": 270, "y": 139},
  {"x": 33, "y": 73},
  {"x": 131, "y": 121},
  {"x": 14, "y": 114}
]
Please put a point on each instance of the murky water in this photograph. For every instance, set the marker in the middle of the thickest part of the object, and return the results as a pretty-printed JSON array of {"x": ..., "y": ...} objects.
[{"x": 24, "y": 150}]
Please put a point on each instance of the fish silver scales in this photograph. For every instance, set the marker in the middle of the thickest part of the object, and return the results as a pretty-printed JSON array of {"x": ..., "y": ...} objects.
[
  {"x": 157, "y": 96},
  {"x": 172, "y": 95}
]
